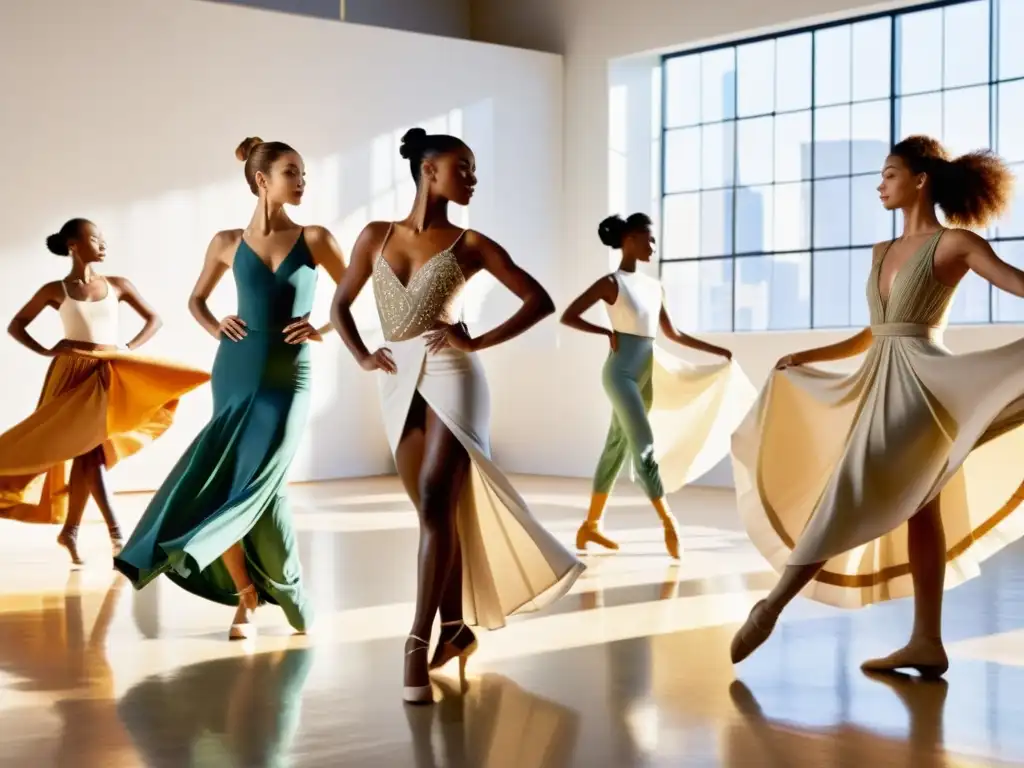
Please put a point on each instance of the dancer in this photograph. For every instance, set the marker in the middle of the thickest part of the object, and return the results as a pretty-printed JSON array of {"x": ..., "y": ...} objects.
[
  {"x": 900, "y": 478},
  {"x": 482, "y": 555},
  {"x": 220, "y": 526},
  {"x": 98, "y": 405},
  {"x": 697, "y": 402}
]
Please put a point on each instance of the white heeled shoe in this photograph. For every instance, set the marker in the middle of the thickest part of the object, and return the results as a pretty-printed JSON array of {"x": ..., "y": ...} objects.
[
  {"x": 418, "y": 694},
  {"x": 245, "y": 630}
]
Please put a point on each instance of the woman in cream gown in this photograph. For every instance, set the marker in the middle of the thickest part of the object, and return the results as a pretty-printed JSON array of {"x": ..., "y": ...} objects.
[
  {"x": 482, "y": 555},
  {"x": 901, "y": 478},
  {"x": 695, "y": 408}
]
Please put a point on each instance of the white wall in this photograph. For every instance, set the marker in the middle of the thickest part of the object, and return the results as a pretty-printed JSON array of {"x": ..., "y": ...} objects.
[
  {"x": 595, "y": 36},
  {"x": 128, "y": 112}
]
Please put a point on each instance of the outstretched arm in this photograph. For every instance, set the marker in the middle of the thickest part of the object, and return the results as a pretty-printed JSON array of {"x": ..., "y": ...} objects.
[
  {"x": 851, "y": 347},
  {"x": 351, "y": 283},
  {"x": 130, "y": 295},
  {"x": 673, "y": 333},
  {"x": 978, "y": 256},
  {"x": 537, "y": 304},
  {"x": 50, "y": 295},
  {"x": 606, "y": 290}
]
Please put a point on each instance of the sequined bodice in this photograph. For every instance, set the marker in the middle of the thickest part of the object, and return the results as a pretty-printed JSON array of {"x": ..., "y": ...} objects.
[
  {"x": 916, "y": 296},
  {"x": 430, "y": 298}
]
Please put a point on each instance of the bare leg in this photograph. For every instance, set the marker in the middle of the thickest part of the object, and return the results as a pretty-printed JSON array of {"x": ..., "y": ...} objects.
[
  {"x": 96, "y": 467},
  {"x": 248, "y": 600},
  {"x": 440, "y": 484},
  {"x": 78, "y": 485},
  {"x": 926, "y": 544}
]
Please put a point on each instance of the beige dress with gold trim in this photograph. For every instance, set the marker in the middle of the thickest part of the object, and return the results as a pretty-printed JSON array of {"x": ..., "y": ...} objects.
[
  {"x": 830, "y": 467},
  {"x": 510, "y": 563}
]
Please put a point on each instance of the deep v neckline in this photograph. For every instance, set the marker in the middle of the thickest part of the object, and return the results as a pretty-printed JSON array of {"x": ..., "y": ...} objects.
[
  {"x": 405, "y": 288},
  {"x": 899, "y": 272},
  {"x": 273, "y": 272}
]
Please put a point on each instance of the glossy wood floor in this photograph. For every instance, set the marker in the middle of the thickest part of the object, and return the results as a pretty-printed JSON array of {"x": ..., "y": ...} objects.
[{"x": 630, "y": 669}]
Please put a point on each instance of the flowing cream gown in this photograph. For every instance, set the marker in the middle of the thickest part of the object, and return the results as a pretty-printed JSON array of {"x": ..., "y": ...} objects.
[
  {"x": 830, "y": 467},
  {"x": 510, "y": 563}
]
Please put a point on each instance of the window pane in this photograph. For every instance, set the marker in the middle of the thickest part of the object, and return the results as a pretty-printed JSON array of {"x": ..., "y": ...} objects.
[
  {"x": 1007, "y": 308},
  {"x": 793, "y": 73},
  {"x": 1011, "y": 223},
  {"x": 831, "y": 213},
  {"x": 792, "y": 228},
  {"x": 792, "y": 146},
  {"x": 754, "y": 145},
  {"x": 717, "y": 147},
  {"x": 617, "y": 174},
  {"x": 965, "y": 127},
  {"x": 716, "y": 222},
  {"x": 754, "y": 219},
  {"x": 831, "y": 141},
  {"x": 870, "y": 222},
  {"x": 919, "y": 37},
  {"x": 756, "y": 64},
  {"x": 682, "y": 160},
  {"x": 840, "y": 286},
  {"x": 965, "y": 51},
  {"x": 680, "y": 226},
  {"x": 1010, "y": 136},
  {"x": 1011, "y": 52},
  {"x": 832, "y": 57},
  {"x": 919, "y": 114},
  {"x": 718, "y": 85},
  {"x": 872, "y": 59},
  {"x": 773, "y": 292},
  {"x": 682, "y": 91},
  {"x": 699, "y": 294},
  {"x": 870, "y": 136},
  {"x": 971, "y": 302}
]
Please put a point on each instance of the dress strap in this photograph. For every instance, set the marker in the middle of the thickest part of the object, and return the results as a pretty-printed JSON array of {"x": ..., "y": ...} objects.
[
  {"x": 387, "y": 237},
  {"x": 457, "y": 240}
]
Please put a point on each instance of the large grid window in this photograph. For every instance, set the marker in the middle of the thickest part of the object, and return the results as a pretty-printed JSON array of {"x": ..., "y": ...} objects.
[{"x": 772, "y": 150}]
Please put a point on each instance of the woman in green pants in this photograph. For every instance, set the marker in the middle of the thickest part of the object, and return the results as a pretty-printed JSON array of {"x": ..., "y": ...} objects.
[
  {"x": 699, "y": 403},
  {"x": 219, "y": 526}
]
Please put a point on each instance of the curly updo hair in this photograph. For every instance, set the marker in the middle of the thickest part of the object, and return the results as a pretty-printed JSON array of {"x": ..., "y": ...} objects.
[
  {"x": 614, "y": 229},
  {"x": 971, "y": 190},
  {"x": 258, "y": 156},
  {"x": 418, "y": 145},
  {"x": 57, "y": 243}
]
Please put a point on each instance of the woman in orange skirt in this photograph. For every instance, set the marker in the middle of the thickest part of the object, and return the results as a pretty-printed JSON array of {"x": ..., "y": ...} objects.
[{"x": 98, "y": 403}]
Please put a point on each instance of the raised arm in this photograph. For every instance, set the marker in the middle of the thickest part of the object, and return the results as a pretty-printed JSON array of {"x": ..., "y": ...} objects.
[
  {"x": 352, "y": 281},
  {"x": 50, "y": 295},
  {"x": 130, "y": 295},
  {"x": 606, "y": 290},
  {"x": 536, "y": 305},
  {"x": 214, "y": 266},
  {"x": 673, "y": 333}
]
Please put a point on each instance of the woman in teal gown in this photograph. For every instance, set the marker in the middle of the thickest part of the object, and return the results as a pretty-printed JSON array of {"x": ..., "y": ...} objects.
[{"x": 220, "y": 526}]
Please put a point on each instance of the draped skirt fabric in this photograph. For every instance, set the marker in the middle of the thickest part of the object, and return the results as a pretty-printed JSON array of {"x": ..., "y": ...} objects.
[
  {"x": 111, "y": 400},
  {"x": 830, "y": 467},
  {"x": 510, "y": 563}
]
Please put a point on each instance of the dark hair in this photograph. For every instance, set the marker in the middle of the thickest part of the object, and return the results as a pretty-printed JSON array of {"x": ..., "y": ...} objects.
[
  {"x": 258, "y": 155},
  {"x": 971, "y": 190},
  {"x": 418, "y": 145},
  {"x": 57, "y": 244},
  {"x": 613, "y": 229}
]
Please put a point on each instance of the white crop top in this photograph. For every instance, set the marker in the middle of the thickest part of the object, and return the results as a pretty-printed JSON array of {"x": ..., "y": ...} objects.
[
  {"x": 637, "y": 309},
  {"x": 94, "y": 322}
]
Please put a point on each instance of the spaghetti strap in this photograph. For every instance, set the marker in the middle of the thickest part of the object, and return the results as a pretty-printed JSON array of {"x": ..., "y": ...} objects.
[
  {"x": 384, "y": 242},
  {"x": 457, "y": 240}
]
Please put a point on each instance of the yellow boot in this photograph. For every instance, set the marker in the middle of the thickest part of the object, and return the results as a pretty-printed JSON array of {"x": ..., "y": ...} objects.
[
  {"x": 590, "y": 530},
  {"x": 667, "y": 520}
]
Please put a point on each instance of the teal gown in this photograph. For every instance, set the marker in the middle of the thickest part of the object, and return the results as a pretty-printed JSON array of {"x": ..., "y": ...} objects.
[{"x": 229, "y": 486}]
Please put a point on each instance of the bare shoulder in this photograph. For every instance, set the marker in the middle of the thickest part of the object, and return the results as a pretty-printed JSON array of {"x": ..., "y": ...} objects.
[
  {"x": 315, "y": 234},
  {"x": 52, "y": 292},
  {"x": 224, "y": 243},
  {"x": 879, "y": 249},
  {"x": 961, "y": 240},
  {"x": 371, "y": 238},
  {"x": 121, "y": 285}
]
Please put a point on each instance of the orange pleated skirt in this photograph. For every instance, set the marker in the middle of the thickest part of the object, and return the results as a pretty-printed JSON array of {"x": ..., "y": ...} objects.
[{"x": 114, "y": 400}]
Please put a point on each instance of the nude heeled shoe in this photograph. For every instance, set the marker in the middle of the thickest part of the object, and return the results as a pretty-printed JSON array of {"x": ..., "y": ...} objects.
[
  {"x": 418, "y": 694},
  {"x": 248, "y": 601},
  {"x": 453, "y": 648}
]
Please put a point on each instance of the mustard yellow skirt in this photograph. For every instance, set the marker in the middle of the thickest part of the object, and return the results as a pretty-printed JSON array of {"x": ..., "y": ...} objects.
[{"x": 117, "y": 401}]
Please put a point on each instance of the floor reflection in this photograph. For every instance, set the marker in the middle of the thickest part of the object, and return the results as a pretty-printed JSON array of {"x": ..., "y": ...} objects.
[{"x": 237, "y": 711}]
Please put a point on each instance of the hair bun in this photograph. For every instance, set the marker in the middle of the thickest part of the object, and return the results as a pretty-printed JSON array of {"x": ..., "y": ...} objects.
[
  {"x": 57, "y": 244},
  {"x": 611, "y": 231},
  {"x": 412, "y": 140},
  {"x": 246, "y": 147}
]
